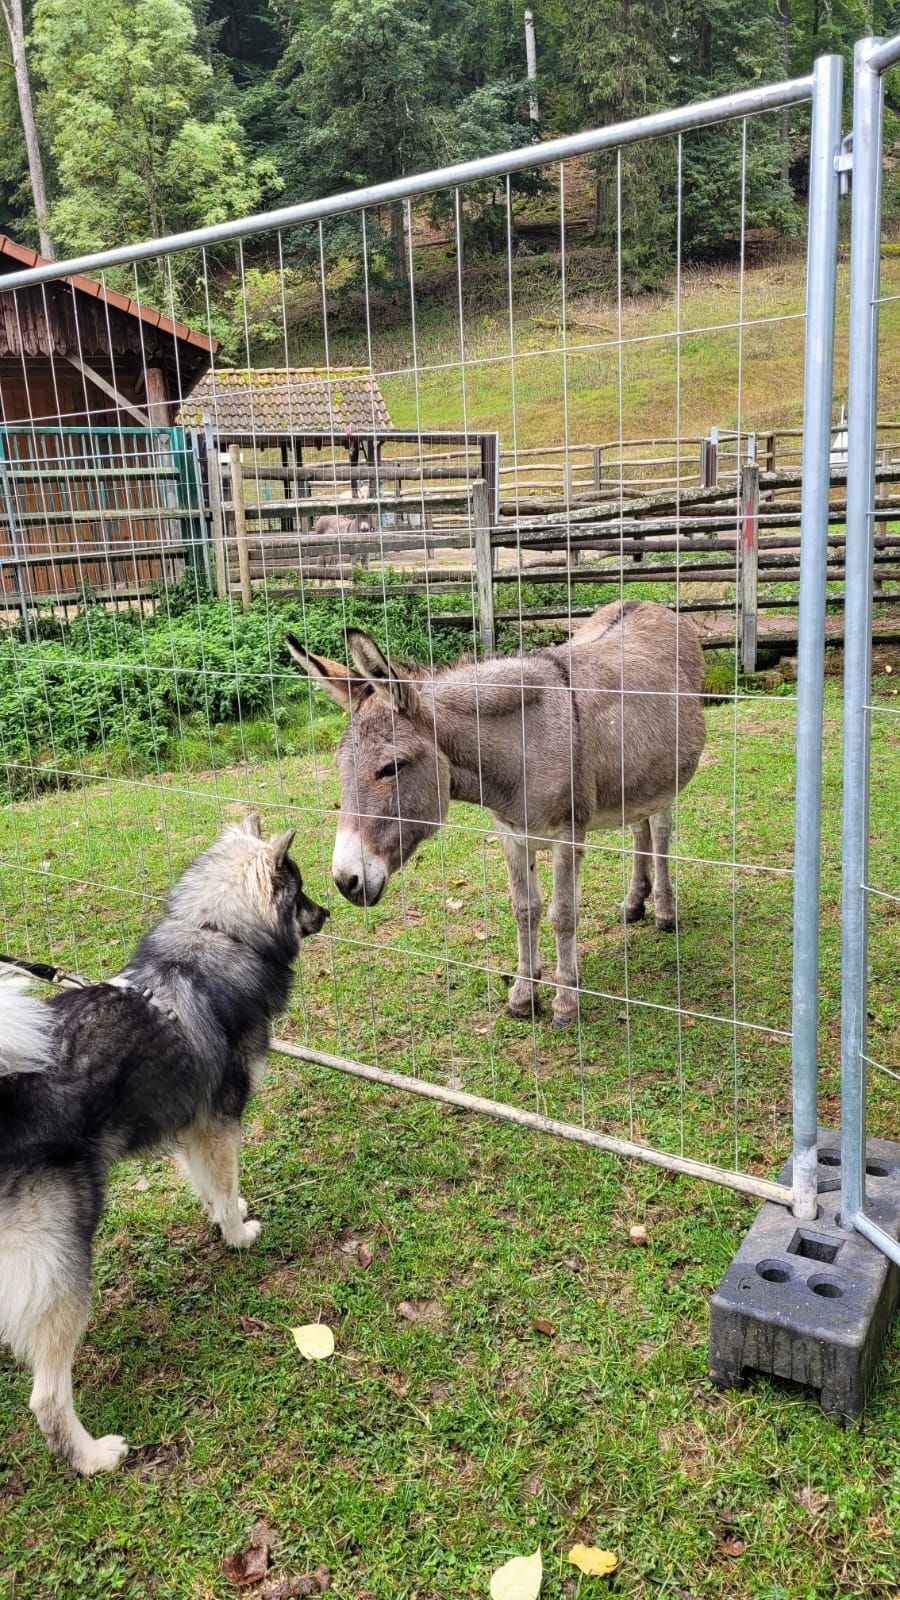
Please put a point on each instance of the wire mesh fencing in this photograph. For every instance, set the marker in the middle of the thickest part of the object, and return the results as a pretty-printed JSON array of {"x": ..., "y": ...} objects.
[{"x": 522, "y": 680}]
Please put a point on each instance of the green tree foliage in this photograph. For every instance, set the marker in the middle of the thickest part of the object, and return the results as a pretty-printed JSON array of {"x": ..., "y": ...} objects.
[
  {"x": 138, "y": 143},
  {"x": 619, "y": 58}
]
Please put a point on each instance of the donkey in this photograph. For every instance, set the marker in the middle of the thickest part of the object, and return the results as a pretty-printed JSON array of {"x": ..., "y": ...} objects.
[
  {"x": 599, "y": 732},
  {"x": 333, "y": 527}
]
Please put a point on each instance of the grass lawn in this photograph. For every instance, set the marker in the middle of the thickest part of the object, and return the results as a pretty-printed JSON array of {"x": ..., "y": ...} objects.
[{"x": 431, "y": 1449}]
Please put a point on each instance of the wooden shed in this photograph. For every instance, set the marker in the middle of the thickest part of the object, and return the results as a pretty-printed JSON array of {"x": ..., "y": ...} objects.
[
  {"x": 75, "y": 352},
  {"x": 95, "y": 474}
]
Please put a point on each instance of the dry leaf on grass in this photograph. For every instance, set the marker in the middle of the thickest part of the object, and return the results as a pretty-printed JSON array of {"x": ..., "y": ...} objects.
[
  {"x": 596, "y": 1563},
  {"x": 248, "y": 1566},
  {"x": 519, "y": 1579},
  {"x": 541, "y": 1325},
  {"x": 252, "y": 1325},
  {"x": 429, "y": 1312},
  {"x": 730, "y": 1544},
  {"x": 454, "y": 905},
  {"x": 292, "y": 1585},
  {"x": 315, "y": 1341},
  {"x": 364, "y": 1255},
  {"x": 811, "y": 1500},
  {"x": 141, "y": 1185}
]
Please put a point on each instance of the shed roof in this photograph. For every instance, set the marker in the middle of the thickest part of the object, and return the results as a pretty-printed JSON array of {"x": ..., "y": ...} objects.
[
  {"x": 13, "y": 255},
  {"x": 297, "y": 400}
]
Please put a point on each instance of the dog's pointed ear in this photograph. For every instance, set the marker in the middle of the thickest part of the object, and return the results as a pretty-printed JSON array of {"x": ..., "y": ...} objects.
[
  {"x": 251, "y": 824},
  {"x": 400, "y": 693},
  {"x": 332, "y": 676},
  {"x": 279, "y": 847}
]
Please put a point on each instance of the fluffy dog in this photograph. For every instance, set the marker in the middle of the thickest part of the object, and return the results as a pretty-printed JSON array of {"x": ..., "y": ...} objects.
[{"x": 166, "y": 1056}]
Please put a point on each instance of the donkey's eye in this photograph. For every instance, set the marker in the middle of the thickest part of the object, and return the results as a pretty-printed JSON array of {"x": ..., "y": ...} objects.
[{"x": 389, "y": 770}]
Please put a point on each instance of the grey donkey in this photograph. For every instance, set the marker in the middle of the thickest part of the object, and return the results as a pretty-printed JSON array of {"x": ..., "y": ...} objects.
[
  {"x": 334, "y": 527},
  {"x": 595, "y": 733}
]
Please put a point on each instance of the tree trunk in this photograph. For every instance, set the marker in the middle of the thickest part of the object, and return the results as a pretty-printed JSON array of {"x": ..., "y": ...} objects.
[
  {"x": 784, "y": 29},
  {"x": 15, "y": 26}
]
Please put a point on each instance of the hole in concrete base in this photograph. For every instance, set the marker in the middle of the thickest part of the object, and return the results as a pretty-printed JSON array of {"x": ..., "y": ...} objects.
[
  {"x": 829, "y": 1158},
  {"x": 813, "y": 1247},
  {"x": 877, "y": 1169},
  {"x": 774, "y": 1271},
  {"x": 827, "y": 1288}
]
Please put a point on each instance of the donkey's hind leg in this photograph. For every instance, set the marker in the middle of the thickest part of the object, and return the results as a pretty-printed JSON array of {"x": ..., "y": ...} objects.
[
  {"x": 567, "y": 859},
  {"x": 641, "y": 872},
  {"x": 663, "y": 898}
]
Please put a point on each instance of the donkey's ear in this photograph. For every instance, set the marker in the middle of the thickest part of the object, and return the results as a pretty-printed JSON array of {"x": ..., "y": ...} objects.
[
  {"x": 251, "y": 824},
  {"x": 332, "y": 676},
  {"x": 279, "y": 847},
  {"x": 371, "y": 663}
]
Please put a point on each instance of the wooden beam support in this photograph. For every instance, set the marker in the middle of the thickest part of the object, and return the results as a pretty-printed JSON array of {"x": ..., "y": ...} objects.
[{"x": 110, "y": 390}]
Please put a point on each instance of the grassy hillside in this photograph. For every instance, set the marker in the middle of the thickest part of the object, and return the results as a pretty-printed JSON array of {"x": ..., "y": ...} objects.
[{"x": 569, "y": 386}]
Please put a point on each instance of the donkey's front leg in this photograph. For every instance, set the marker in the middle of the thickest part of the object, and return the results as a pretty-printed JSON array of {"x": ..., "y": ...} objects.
[
  {"x": 663, "y": 898},
  {"x": 641, "y": 883},
  {"x": 567, "y": 859},
  {"x": 525, "y": 890}
]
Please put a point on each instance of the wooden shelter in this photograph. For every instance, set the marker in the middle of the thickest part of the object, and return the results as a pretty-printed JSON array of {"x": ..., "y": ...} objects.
[
  {"x": 74, "y": 352},
  {"x": 98, "y": 485}
]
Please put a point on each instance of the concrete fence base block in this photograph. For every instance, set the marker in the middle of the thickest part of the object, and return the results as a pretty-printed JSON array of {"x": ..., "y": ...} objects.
[{"x": 812, "y": 1302}]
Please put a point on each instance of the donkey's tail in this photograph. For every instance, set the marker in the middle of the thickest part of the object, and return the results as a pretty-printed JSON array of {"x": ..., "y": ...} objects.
[{"x": 26, "y": 1029}]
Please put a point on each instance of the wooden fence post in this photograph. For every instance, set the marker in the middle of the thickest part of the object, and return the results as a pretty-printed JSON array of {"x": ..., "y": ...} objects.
[
  {"x": 598, "y": 465},
  {"x": 240, "y": 522},
  {"x": 216, "y": 515},
  {"x": 709, "y": 460},
  {"x": 749, "y": 565},
  {"x": 484, "y": 566}
]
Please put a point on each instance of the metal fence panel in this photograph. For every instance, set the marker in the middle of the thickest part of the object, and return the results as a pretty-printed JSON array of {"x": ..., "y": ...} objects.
[{"x": 677, "y": 1052}]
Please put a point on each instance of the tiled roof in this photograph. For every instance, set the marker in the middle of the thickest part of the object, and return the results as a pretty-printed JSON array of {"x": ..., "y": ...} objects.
[
  {"x": 287, "y": 400},
  {"x": 25, "y": 257}
]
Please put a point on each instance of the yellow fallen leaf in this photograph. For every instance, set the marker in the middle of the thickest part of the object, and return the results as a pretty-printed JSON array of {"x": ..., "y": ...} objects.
[
  {"x": 315, "y": 1341},
  {"x": 596, "y": 1563},
  {"x": 519, "y": 1579}
]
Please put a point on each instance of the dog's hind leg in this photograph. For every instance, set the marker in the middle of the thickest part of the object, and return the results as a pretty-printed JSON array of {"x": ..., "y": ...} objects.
[
  {"x": 45, "y": 1302},
  {"x": 208, "y": 1154},
  {"x": 54, "y": 1339}
]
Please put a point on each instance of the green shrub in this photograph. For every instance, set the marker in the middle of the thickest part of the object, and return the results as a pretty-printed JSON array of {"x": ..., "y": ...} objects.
[{"x": 111, "y": 690}]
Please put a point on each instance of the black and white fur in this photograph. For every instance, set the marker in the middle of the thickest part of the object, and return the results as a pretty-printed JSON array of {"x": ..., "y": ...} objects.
[{"x": 166, "y": 1055}]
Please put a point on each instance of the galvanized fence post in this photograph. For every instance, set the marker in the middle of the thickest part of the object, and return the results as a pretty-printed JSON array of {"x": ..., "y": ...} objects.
[
  {"x": 817, "y": 392},
  {"x": 865, "y": 272}
]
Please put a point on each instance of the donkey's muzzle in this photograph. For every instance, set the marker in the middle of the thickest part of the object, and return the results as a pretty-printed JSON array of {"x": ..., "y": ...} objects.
[{"x": 361, "y": 891}]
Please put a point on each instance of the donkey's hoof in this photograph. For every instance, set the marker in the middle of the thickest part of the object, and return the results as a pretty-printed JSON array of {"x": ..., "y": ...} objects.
[
  {"x": 633, "y": 913},
  {"x": 667, "y": 925},
  {"x": 524, "y": 1013},
  {"x": 564, "y": 1019}
]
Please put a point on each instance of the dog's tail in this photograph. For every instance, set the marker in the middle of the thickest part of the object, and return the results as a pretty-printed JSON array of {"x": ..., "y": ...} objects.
[{"x": 26, "y": 1028}]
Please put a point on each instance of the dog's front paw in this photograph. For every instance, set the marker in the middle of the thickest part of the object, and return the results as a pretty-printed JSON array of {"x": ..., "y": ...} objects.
[{"x": 102, "y": 1455}]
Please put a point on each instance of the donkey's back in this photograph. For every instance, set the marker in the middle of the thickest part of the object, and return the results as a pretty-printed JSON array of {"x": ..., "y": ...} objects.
[{"x": 637, "y": 670}]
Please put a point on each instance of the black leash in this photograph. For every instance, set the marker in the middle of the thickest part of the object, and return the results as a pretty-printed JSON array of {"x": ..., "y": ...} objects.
[{"x": 46, "y": 973}]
